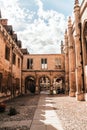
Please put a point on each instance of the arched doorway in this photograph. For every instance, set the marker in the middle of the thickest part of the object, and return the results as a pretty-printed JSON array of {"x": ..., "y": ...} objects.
[
  {"x": 58, "y": 86},
  {"x": 44, "y": 83},
  {"x": 30, "y": 84}
]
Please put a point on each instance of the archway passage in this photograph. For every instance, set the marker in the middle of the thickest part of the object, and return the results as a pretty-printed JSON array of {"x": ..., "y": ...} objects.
[
  {"x": 30, "y": 84},
  {"x": 58, "y": 86},
  {"x": 44, "y": 83}
]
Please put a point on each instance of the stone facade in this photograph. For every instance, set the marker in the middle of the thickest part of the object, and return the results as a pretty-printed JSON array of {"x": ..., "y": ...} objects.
[
  {"x": 44, "y": 67},
  {"x": 75, "y": 47},
  {"x": 20, "y": 70},
  {"x": 10, "y": 61}
]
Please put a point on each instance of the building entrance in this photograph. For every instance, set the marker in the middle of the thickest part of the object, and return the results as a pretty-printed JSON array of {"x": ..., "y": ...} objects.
[
  {"x": 58, "y": 86},
  {"x": 30, "y": 84}
]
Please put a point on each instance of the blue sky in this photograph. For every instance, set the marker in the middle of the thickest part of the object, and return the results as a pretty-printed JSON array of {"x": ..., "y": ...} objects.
[{"x": 40, "y": 24}]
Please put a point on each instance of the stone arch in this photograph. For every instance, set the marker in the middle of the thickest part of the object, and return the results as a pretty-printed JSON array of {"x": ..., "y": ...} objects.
[
  {"x": 44, "y": 82},
  {"x": 30, "y": 84},
  {"x": 59, "y": 84}
]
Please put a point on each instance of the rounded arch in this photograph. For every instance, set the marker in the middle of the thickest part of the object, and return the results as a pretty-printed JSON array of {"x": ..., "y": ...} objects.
[
  {"x": 44, "y": 82},
  {"x": 30, "y": 84},
  {"x": 58, "y": 84}
]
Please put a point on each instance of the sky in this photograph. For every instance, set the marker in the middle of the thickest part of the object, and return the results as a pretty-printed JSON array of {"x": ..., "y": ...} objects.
[{"x": 39, "y": 24}]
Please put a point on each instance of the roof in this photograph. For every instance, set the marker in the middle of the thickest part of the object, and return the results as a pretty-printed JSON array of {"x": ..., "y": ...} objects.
[
  {"x": 24, "y": 51},
  {"x": 9, "y": 29}
]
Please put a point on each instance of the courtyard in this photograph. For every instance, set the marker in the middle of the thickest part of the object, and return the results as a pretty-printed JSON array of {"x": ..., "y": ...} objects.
[{"x": 45, "y": 112}]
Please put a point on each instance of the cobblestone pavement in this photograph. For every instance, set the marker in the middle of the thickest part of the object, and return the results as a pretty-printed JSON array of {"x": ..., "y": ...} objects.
[
  {"x": 25, "y": 106},
  {"x": 60, "y": 112},
  {"x": 72, "y": 113},
  {"x": 57, "y": 112}
]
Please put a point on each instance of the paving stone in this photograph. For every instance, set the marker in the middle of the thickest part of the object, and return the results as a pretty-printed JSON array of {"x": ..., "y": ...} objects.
[
  {"x": 26, "y": 107},
  {"x": 59, "y": 112},
  {"x": 38, "y": 127}
]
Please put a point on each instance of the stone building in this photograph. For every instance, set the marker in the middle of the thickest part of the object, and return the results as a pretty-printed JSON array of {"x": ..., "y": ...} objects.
[
  {"x": 21, "y": 71},
  {"x": 75, "y": 48},
  {"x": 46, "y": 71},
  {"x": 10, "y": 60}
]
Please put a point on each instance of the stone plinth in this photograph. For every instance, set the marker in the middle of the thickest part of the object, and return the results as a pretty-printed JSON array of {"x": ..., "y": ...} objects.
[
  {"x": 72, "y": 94},
  {"x": 80, "y": 96}
]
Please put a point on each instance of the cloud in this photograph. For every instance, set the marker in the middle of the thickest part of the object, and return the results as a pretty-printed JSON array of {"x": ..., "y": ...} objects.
[{"x": 42, "y": 34}]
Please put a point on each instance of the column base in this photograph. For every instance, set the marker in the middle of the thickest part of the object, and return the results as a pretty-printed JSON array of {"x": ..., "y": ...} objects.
[
  {"x": 80, "y": 96},
  {"x": 72, "y": 94},
  {"x": 85, "y": 96},
  {"x": 37, "y": 90}
]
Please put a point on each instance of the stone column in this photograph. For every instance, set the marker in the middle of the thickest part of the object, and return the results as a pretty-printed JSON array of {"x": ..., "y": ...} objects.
[
  {"x": 78, "y": 70},
  {"x": 37, "y": 91},
  {"x": 21, "y": 62},
  {"x": 72, "y": 83},
  {"x": 66, "y": 62}
]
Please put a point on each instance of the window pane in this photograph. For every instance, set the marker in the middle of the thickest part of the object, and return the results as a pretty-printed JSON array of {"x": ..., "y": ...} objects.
[
  {"x": 45, "y": 61},
  {"x": 42, "y": 61},
  {"x": 14, "y": 58},
  {"x": 45, "y": 66},
  {"x": 7, "y": 53},
  {"x": 29, "y": 63},
  {"x": 18, "y": 63}
]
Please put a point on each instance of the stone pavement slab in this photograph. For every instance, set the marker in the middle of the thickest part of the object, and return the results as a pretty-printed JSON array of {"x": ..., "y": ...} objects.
[
  {"x": 45, "y": 117},
  {"x": 59, "y": 112},
  {"x": 38, "y": 127},
  {"x": 16, "y": 123}
]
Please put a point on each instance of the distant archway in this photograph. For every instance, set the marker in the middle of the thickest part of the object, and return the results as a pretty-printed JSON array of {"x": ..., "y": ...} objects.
[
  {"x": 44, "y": 83},
  {"x": 58, "y": 85},
  {"x": 30, "y": 84}
]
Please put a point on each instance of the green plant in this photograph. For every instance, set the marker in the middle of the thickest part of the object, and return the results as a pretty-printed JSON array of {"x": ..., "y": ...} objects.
[{"x": 12, "y": 111}]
